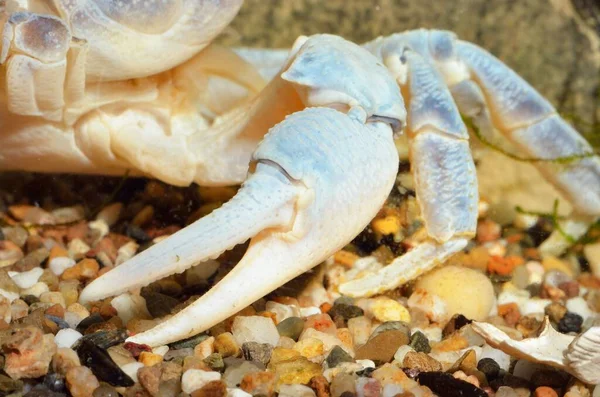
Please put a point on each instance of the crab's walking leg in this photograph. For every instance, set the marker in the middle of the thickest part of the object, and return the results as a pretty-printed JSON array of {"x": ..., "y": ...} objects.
[
  {"x": 445, "y": 180},
  {"x": 521, "y": 114}
]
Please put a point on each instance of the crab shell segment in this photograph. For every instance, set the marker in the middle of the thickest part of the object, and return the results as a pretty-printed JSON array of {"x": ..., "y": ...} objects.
[{"x": 132, "y": 39}]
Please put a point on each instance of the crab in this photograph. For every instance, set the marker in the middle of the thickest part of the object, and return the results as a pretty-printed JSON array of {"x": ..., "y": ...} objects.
[{"x": 102, "y": 87}]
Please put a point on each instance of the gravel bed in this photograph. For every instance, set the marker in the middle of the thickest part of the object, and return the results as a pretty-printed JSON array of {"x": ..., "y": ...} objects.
[{"x": 305, "y": 339}]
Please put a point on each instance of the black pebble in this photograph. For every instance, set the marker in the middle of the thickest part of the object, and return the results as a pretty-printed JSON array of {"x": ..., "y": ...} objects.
[
  {"x": 489, "y": 367},
  {"x": 571, "y": 322},
  {"x": 447, "y": 385},
  {"x": 95, "y": 318},
  {"x": 102, "y": 365},
  {"x": 55, "y": 382},
  {"x": 104, "y": 339},
  {"x": 136, "y": 233}
]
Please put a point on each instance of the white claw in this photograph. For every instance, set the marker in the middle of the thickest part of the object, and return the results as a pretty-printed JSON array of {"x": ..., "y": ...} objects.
[
  {"x": 266, "y": 200},
  {"x": 579, "y": 356},
  {"x": 329, "y": 176}
]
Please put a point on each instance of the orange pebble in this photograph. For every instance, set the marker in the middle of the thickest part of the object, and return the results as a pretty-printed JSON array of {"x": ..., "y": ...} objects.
[
  {"x": 545, "y": 391},
  {"x": 510, "y": 312},
  {"x": 325, "y": 307},
  {"x": 345, "y": 258},
  {"x": 504, "y": 265}
]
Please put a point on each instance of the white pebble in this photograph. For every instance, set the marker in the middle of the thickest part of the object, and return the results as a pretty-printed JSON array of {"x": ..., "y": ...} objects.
[
  {"x": 525, "y": 221},
  {"x": 534, "y": 306},
  {"x": 194, "y": 379},
  {"x": 130, "y": 306},
  {"x": 59, "y": 264},
  {"x": 67, "y": 337},
  {"x": 309, "y": 311},
  {"x": 231, "y": 392},
  {"x": 126, "y": 252},
  {"x": 366, "y": 363},
  {"x": 254, "y": 329},
  {"x": 401, "y": 352},
  {"x": 434, "y": 307},
  {"x": 579, "y": 305},
  {"x": 77, "y": 248},
  {"x": 282, "y": 311},
  {"x": 295, "y": 391},
  {"x": 160, "y": 350},
  {"x": 100, "y": 227},
  {"x": 36, "y": 290},
  {"x": 329, "y": 341},
  {"x": 433, "y": 333},
  {"x": 536, "y": 272},
  {"x": 26, "y": 279},
  {"x": 131, "y": 369},
  {"x": 11, "y": 296}
]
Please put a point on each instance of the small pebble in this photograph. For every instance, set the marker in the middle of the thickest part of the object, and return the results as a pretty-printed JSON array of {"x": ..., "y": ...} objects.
[
  {"x": 28, "y": 278},
  {"x": 545, "y": 391},
  {"x": 296, "y": 391},
  {"x": 336, "y": 356},
  {"x": 59, "y": 264},
  {"x": 254, "y": 329},
  {"x": 81, "y": 382},
  {"x": 67, "y": 337},
  {"x": 386, "y": 309},
  {"x": 570, "y": 322},
  {"x": 194, "y": 379},
  {"x": 291, "y": 327},
  {"x": 259, "y": 352}
]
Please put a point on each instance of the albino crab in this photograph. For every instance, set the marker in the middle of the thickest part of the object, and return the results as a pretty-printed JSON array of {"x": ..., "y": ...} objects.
[{"x": 100, "y": 86}]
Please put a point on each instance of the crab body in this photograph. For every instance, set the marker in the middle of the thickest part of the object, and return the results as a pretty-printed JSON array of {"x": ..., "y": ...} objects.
[{"x": 103, "y": 86}]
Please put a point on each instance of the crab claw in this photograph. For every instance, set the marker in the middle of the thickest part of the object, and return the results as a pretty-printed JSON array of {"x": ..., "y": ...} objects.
[{"x": 319, "y": 177}]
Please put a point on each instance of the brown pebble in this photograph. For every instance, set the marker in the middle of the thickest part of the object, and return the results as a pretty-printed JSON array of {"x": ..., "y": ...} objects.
[
  {"x": 28, "y": 352},
  {"x": 510, "y": 313},
  {"x": 320, "y": 385},
  {"x": 149, "y": 378},
  {"x": 56, "y": 310},
  {"x": 215, "y": 388},
  {"x": 85, "y": 269},
  {"x": 421, "y": 361},
  {"x": 32, "y": 260},
  {"x": 570, "y": 288},
  {"x": 382, "y": 347},
  {"x": 555, "y": 311},
  {"x": 226, "y": 345},
  {"x": 528, "y": 326}
]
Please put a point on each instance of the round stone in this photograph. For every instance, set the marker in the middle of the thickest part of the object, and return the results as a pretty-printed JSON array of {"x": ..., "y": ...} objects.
[{"x": 465, "y": 291}]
